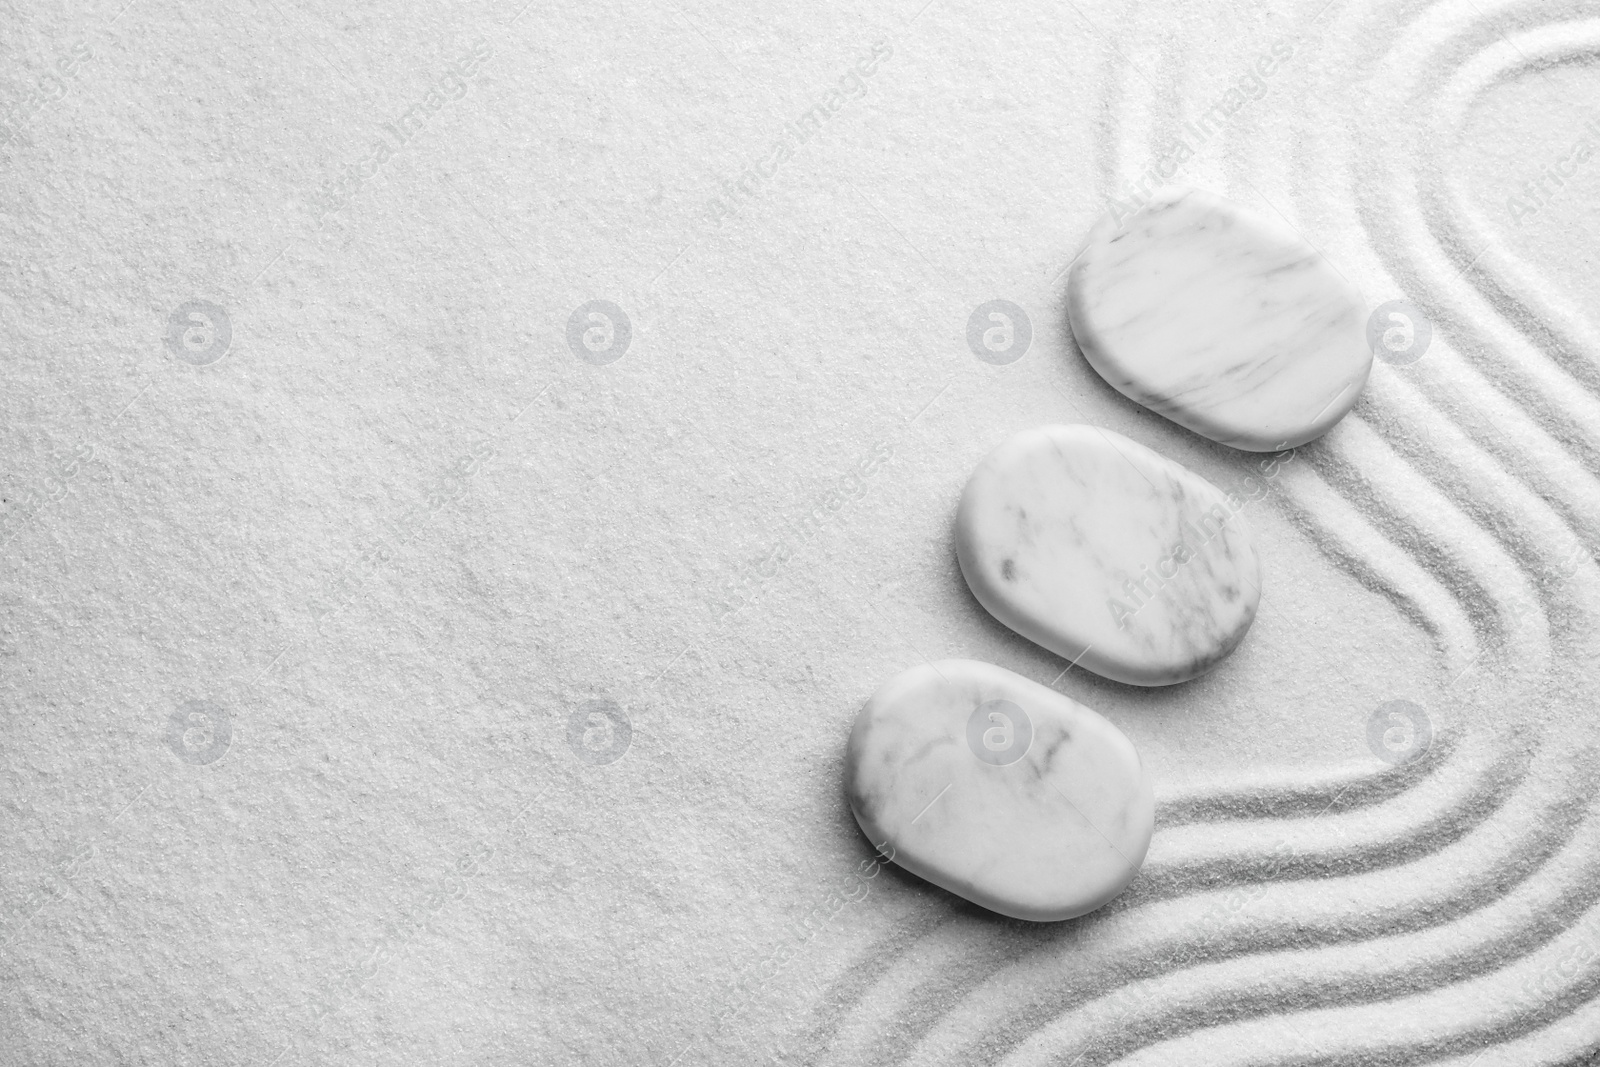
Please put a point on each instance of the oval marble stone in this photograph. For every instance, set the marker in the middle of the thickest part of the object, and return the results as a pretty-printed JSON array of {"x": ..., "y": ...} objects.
[
  {"x": 1108, "y": 554},
  {"x": 1223, "y": 320},
  {"x": 1002, "y": 791}
]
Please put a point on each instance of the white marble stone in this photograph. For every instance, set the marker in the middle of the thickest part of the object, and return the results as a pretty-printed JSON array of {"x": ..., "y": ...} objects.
[
  {"x": 1223, "y": 320},
  {"x": 1109, "y": 554},
  {"x": 1007, "y": 793}
]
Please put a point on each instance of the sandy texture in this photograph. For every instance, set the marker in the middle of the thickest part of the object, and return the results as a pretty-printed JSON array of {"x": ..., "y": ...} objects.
[{"x": 412, "y": 684}]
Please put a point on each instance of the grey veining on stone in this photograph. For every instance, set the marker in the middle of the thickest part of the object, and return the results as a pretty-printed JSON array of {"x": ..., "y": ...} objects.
[
  {"x": 1108, "y": 554},
  {"x": 999, "y": 789},
  {"x": 1220, "y": 319}
]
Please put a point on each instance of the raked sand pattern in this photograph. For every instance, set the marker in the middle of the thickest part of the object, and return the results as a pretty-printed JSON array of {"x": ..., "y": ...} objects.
[
  {"x": 532, "y": 531},
  {"x": 1443, "y": 911}
]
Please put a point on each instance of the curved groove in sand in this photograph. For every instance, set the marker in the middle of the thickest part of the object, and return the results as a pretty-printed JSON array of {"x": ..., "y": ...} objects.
[
  {"x": 1476, "y": 934},
  {"x": 996, "y": 983},
  {"x": 1279, "y": 968},
  {"x": 1332, "y": 843},
  {"x": 1534, "y": 992},
  {"x": 1572, "y": 514},
  {"x": 1510, "y": 284},
  {"x": 1283, "y": 795}
]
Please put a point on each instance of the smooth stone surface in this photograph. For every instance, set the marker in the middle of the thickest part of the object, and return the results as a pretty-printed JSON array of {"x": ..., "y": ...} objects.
[
  {"x": 1109, "y": 554},
  {"x": 1220, "y": 319},
  {"x": 1000, "y": 790}
]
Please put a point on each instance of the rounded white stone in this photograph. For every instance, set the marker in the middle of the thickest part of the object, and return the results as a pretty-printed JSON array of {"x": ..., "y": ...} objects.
[
  {"x": 1222, "y": 320},
  {"x": 1000, "y": 790},
  {"x": 1109, "y": 554}
]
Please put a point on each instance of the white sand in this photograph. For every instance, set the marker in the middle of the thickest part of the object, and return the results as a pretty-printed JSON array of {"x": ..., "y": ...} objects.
[{"x": 400, "y": 859}]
